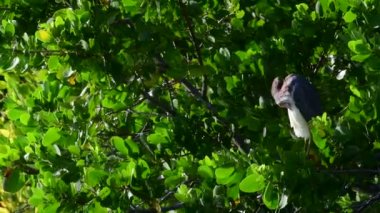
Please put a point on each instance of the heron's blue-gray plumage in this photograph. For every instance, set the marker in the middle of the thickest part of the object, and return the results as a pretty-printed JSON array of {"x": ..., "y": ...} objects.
[{"x": 305, "y": 96}]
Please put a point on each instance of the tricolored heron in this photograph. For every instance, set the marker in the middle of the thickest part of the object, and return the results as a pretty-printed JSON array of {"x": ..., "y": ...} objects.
[{"x": 301, "y": 99}]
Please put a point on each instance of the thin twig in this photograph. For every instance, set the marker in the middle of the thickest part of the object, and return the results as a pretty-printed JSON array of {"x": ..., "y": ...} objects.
[
  {"x": 5, "y": 8},
  {"x": 345, "y": 171},
  {"x": 190, "y": 26},
  {"x": 196, "y": 44},
  {"x": 194, "y": 91},
  {"x": 365, "y": 204},
  {"x": 237, "y": 138},
  {"x": 160, "y": 105},
  {"x": 163, "y": 209}
]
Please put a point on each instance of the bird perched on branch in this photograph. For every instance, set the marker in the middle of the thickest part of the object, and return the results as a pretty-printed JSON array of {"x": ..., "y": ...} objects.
[{"x": 301, "y": 99}]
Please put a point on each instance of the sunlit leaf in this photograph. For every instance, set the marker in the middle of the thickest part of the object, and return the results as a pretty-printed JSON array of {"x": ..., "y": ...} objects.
[
  {"x": 222, "y": 173},
  {"x": 132, "y": 146},
  {"x": 44, "y": 36},
  {"x": 37, "y": 197},
  {"x": 252, "y": 183},
  {"x": 240, "y": 14},
  {"x": 24, "y": 118},
  {"x": 182, "y": 193},
  {"x": 104, "y": 193},
  {"x": 359, "y": 47},
  {"x": 94, "y": 176},
  {"x": 349, "y": 16},
  {"x": 9, "y": 29},
  {"x": 119, "y": 144},
  {"x": 231, "y": 82},
  {"x": 52, "y": 135}
]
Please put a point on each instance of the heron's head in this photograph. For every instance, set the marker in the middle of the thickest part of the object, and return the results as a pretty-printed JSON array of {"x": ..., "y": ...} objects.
[
  {"x": 282, "y": 92},
  {"x": 295, "y": 92}
]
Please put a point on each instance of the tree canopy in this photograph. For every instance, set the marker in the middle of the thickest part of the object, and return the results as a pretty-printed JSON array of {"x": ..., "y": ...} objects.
[{"x": 152, "y": 106}]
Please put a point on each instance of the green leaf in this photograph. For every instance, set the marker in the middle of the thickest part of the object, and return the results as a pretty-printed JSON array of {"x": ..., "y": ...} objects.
[
  {"x": 173, "y": 180},
  {"x": 205, "y": 172},
  {"x": 233, "y": 192},
  {"x": 360, "y": 58},
  {"x": 9, "y": 29},
  {"x": 160, "y": 136},
  {"x": 132, "y": 146},
  {"x": 242, "y": 55},
  {"x": 59, "y": 22},
  {"x": 44, "y": 36},
  {"x": 52, "y": 135},
  {"x": 237, "y": 24},
  {"x": 119, "y": 144},
  {"x": 143, "y": 168},
  {"x": 198, "y": 71},
  {"x": 230, "y": 180},
  {"x": 73, "y": 149},
  {"x": 129, "y": 3},
  {"x": 37, "y": 197},
  {"x": 54, "y": 63},
  {"x": 302, "y": 7},
  {"x": 104, "y": 193},
  {"x": 252, "y": 183},
  {"x": 182, "y": 193},
  {"x": 232, "y": 82},
  {"x": 52, "y": 207},
  {"x": 24, "y": 118},
  {"x": 240, "y": 14},
  {"x": 94, "y": 176},
  {"x": 349, "y": 16},
  {"x": 14, "y": 181},
  {"x": 359, "y": 47},
  {"x": 98, "y": 208},
  {"x": 14, "y": 114},
  {"x": 355, "y": 91},
  {"x": 222, "y": 173},
  {"x": 319, "y": 140},
  {"x": 270, "y": 197}
]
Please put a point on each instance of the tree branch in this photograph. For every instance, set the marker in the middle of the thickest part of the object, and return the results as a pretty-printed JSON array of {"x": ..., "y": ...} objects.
[
  {"x": 237, "y": 138},
  {"x": 160, "y": 105},
  {"x": 194, "y": 91},
  {"x": 346, "y": 171},
  {"x": 359, "y": 207},
  {"x": 163, "y": 209},
  {"x": 195, "y": 42},
  {"x": 190, "y": 26}
]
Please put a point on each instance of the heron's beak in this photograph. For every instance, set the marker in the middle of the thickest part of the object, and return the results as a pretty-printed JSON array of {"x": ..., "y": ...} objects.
[{"x": 284, "y": 101}]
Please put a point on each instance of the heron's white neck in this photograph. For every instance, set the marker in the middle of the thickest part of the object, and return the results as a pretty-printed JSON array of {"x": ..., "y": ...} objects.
[{"x": 298, "y": 123}]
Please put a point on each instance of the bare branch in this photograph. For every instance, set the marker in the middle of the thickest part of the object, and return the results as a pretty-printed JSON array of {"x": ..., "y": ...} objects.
[
  {"x": 196, "y": 44},
  {"x": 346, "y": 171},
  {"x": 163, "y": 209},
  {"x": 190, "y": 26},
  {"x": 360, "y": 207},
  {"x": 198, "y": 95},
  {"x": 237, "y": 138},
  {"x": 159, "y": 104}
]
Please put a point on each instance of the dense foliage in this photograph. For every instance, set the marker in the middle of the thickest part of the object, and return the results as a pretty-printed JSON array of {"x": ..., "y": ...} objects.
[{"x": 138, "y": 105}]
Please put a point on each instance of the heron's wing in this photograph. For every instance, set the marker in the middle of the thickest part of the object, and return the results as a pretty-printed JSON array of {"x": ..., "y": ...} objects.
[{"x": 306, "y": 98}]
